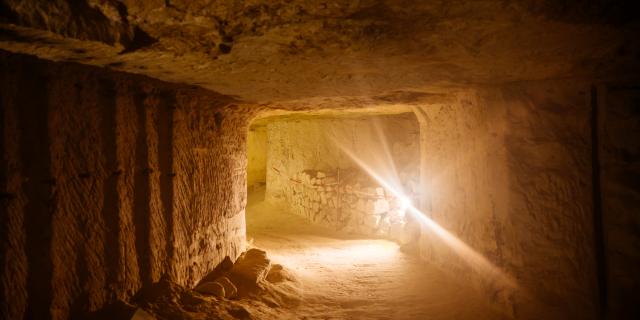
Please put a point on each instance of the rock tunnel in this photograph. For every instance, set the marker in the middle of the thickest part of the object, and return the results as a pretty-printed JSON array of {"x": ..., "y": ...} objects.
[{"x": 319, "y": 159}]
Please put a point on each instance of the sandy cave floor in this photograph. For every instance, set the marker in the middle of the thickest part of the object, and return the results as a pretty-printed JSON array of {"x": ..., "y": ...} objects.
[{"x": 349, "y": 278}]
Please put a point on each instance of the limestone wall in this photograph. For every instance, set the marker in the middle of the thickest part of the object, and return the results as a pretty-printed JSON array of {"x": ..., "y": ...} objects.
[
  {"x": 257, "y": 155},
  {"x": 108, "y": 182},
  {"x": 347, "y": 200},
  {"x": 308, "y": 170},
  {"x": 508, "y": 172}
]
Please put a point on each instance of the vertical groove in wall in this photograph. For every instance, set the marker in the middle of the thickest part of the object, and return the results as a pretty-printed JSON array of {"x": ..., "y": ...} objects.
[
  {"x": 597, "y": 204},
  {"x": 165, "y": 161},
  {"x": 141, "y": 190},
  {"x": 111, "y": 204},
  {"x": 71, "y": 268},
  {"x": 127, "y": 122},
  {"x": 13, "y": 260},
  {"x": 38, "y": 185}
]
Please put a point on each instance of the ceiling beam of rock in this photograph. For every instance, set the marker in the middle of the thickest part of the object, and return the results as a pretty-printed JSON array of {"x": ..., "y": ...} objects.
[{"x": 328, "y": 52}]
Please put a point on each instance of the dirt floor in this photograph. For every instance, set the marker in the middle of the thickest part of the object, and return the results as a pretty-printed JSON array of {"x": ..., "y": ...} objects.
[{"x": 344, "y": 277}]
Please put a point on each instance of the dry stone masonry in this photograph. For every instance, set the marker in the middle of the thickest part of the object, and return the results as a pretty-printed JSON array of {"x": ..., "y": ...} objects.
[{"x": 347, "y": 200}]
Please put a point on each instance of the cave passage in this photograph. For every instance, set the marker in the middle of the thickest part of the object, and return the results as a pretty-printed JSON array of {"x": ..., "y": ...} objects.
[
  {"x": 329, "y": 198},
  {"x": 357, "y": 174},
  {"x": 319, "y": 159}
]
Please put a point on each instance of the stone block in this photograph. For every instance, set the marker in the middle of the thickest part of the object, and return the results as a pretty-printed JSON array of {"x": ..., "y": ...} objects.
[
  {"x": 252, "y": 266},
  {"x": 211, "y": 288},
  {"x": 380, "y": 206},
  {"x": 361, "y": 205},
  {"x": 230, "y": 290}
]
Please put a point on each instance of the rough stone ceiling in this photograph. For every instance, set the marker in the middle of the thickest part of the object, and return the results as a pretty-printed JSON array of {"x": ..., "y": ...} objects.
[{"x": 327, "y": 52}]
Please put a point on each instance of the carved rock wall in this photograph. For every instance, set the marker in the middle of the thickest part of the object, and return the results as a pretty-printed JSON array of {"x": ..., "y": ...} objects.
[
  {"x": 110, "y": 181},
  {"x": 257, "y": 156},
  {"x": 508, "y": 172}
]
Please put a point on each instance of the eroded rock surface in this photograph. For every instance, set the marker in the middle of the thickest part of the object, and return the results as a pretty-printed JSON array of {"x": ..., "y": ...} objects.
[
  {"x": 108, "y": 184},
  {"x": 290, "y": 50},
  {"x": 211, "y": 288},
  {"x": 112, "y": 180},
  {"x": 252, "y": 267}
]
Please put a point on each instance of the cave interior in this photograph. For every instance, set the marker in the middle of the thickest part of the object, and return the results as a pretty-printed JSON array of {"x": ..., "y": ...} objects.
[{"x": 320, "y": 159}]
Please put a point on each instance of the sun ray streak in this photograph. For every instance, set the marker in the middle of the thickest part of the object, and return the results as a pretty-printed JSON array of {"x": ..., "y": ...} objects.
[
  {"x": 474, "y": 259},
  {"x": 389, "y": 163}
]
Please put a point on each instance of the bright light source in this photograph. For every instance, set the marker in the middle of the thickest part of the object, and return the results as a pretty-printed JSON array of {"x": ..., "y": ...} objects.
[
  {"x": 474, "y": 259},
  {"x": 405, "y": 202}
]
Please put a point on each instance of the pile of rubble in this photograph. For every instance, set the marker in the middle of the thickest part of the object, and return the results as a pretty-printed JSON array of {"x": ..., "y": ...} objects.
[
  {"x": 347, "y": 200},
  {"x": 250, "y": 276},
  {"x": 251, "y": 288}
]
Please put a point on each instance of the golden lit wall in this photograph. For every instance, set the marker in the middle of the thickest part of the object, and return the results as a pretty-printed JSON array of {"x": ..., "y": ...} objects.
[
  {"x": 109, "y": 181},
  {"x": 508, "y": 173},
  {"x": 257, "y": 155}
]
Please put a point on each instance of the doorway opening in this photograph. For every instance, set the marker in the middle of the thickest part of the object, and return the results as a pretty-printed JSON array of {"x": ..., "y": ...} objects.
[
  {"x": 327, "y": 198},
  {"x": 324, "y": 170}
]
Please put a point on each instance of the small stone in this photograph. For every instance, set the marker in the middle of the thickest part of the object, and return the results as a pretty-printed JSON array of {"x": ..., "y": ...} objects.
[
  {"x": 278, "y": 274},
  {"x": 380, "y": 206},
  {"x": 239, "y": 312},
  {"x": 211, "y": 288},
  {"x": 230, "y": 290},
  {"x": 252, "y": 267}
]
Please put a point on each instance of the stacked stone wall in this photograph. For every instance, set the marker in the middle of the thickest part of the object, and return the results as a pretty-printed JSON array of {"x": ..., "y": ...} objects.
[{"x": 347, "y": 200}]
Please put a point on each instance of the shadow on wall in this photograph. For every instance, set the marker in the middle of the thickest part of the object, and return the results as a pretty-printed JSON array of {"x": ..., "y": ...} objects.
[{"x": 106, "y": 180}]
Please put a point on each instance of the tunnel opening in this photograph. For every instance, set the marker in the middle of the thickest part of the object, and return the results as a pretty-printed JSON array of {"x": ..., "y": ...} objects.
[
  {"x": 332, "y": 199},
  {"x": 405, "y": 159},
  {"x": 306, "y": 165}
]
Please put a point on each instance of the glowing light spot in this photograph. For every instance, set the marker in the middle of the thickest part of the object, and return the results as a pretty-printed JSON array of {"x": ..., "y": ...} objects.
[
  {"x": 474, "y": 259},
  {"x": 405, "y": 202}
]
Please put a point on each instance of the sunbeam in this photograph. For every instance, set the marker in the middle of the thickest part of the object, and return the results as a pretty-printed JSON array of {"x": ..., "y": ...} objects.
[{"x": 474, "y": 259}]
